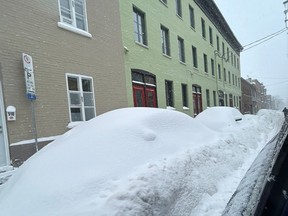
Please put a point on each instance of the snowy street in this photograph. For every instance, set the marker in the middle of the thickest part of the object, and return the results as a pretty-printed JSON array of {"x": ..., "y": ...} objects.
[{"x": 142, "y": 161}]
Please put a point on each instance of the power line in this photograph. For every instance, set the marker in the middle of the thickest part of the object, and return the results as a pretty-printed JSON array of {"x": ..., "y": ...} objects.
[{"x": 262, "y": 40}]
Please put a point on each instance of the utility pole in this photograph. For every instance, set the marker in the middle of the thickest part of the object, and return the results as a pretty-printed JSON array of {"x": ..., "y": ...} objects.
[{"x": 285, "y": 12}]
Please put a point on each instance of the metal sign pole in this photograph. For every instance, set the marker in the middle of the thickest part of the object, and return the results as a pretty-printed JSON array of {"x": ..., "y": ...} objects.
[{"x": 34, "y": 129}]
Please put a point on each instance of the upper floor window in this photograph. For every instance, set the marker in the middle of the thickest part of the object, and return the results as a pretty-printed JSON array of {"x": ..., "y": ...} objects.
[
  {"x": 210, "y": 35},
  {"x": 218, "y": 45},
  {"x": 228, "y": 52},
  {"x": 73, "y": 16},
  {"x": 212, "y": 67},
  {"x": 81, "y": 97},
  {"x": 165, "y": 40},
  {"x": 194, "y": 57},
  {"x": 205, "y": 63},
  {"x": 203, "y": 28},
  {"x": 164, "y": 1},
  {"x": 219, "y": 71},
  {"x": 178, "y": 8},
  {"x": 192, "y": 17},
  {"x": 139, "y": 26},
  {"x": 181, "y": 49}
]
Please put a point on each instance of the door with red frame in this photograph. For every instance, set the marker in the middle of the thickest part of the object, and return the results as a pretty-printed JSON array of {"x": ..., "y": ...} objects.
[
  {"x": 144, "y": 96},
  {"x": 197, "y": 99},
  {"x": 139, "y": 95},
  {"x": 150, "y": 97}
]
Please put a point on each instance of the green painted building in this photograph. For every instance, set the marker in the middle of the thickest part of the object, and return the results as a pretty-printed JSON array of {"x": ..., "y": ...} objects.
[{"x": 179, "y": 54}]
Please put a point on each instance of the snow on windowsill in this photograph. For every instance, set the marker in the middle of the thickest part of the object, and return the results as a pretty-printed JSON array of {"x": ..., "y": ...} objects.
[
  {"x": 186, "y": 108},
  {"x": 170, "y": 108},
  {"x": 74, "y": 124},
  {"x": 73, "y": 29}
]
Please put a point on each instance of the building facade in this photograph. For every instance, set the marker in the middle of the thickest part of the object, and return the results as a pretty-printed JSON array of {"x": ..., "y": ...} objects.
[
  {"x": 179, "y": 54},
  {"x": 78, "y": 68},
  {"x": 67, "y": 61}
]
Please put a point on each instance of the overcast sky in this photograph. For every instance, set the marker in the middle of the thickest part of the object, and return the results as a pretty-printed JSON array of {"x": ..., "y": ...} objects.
[{"x": 251, "y": 20}]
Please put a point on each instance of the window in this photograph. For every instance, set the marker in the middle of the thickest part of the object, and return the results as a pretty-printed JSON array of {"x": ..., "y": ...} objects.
[
  {"x": 214, "y": 98},
  {"x": 139, "y": 26},
  {"x": 73, "y": 14},
  {"x": 225, "y": 76},
  {"x": 228, "y": 54},
  {"x": 210, "y": 35},
  {"x": 229, "y": 77},
  {"x": 197, "y": 99},
  {"x": 169, "y": 93},
  {"x": 231, "y": 57},
  {"x": 181, "y": 49},
  {"x": 164, "y": 1},
  {"x": 192, "y": 17},
  {"x": 205, "y": 63},
  {"x": 194, "y": 56},
  {"x": 238, "y": 65},
  {"x": 219, "y": 71},
  {"x": 223, "y": 49},
  {"x": 203, "y": 28},
  {"x": 208, "y": 97},
  {"x": 230, "y": 100},
  {"x": 218, "y": 45},
  {"x": 80, "y": 97},
  {"x": 165, "y": 40},
  {"x": 178, "y": 8},
  {"x": 233, "y": 82},
  {"x": 212, "y": 67},
  {"x": 184, "y": 95}
]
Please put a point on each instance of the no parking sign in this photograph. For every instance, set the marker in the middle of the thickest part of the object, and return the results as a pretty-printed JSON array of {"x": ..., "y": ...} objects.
[{"x": 29, "y": 76}]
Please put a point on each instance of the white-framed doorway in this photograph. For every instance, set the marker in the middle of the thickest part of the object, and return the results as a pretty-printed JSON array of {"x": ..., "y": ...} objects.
[{"x": 4, "y": 147}]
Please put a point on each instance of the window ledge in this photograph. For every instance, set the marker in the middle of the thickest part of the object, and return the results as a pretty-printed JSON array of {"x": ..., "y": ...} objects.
[
  {"x": 167, "y": 56},
  {"x": 180, "y": 17},
  {"x": 140, "y": 44},
  {"x": 186, "y": 108},
  {"x": 163, "y": 3},
  {"x": 183, "y": 63},
  {"x": 170, "y": 108},
  {"x": 193, "y": 28},
  {"x": 73, "y": 29}
]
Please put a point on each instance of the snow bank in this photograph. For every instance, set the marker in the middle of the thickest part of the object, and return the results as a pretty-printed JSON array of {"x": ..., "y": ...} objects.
[{"x": 139, "y": 161}]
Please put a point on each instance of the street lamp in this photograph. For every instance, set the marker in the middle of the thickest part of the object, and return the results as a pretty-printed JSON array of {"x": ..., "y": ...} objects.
[{"x": 286, "y": 11}]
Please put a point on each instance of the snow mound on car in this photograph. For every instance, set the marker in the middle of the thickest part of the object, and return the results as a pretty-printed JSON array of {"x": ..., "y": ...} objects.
[
  {"x": 82, "y": 169},
  {"x": 219, "y": 118}
]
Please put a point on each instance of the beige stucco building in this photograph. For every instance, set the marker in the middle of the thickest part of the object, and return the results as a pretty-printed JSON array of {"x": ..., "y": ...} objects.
[{"x": 78, "y": 67}]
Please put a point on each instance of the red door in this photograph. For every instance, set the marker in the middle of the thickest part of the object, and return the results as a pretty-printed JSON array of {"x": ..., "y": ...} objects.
[
  {"x": 139, "y": 96},
  {"x": 144, "y": 96},
  {"x": 150, "y": 97}
]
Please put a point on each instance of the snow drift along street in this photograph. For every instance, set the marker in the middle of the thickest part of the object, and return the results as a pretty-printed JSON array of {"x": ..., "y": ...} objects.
[{"x": 141, "y": 161}]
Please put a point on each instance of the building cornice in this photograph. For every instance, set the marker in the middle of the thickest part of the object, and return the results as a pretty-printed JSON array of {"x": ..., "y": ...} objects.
[{"x": 213, "y": 13}]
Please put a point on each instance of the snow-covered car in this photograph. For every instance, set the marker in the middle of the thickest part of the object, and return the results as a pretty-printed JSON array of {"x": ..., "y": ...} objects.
[{"x": 136, "y": 161}]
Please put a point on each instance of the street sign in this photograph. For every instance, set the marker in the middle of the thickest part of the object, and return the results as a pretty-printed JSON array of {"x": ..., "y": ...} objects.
[{"x": 29, "y": 76}]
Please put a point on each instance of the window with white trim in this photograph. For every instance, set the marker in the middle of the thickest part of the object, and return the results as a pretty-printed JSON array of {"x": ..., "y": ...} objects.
[
  {"x": 139, "y": 26},
  {"x": 81, "y": 97},
  {"x": 73, "y": 13}
]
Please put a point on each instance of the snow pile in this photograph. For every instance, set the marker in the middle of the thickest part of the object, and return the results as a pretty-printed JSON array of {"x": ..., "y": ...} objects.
[{"x": 141, "y": 161}]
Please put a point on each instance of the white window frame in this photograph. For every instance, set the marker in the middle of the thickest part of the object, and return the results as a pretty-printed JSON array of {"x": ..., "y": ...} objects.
[
  {"x": 70, "y": 23},
  {"x": 81, "y": 106}
]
